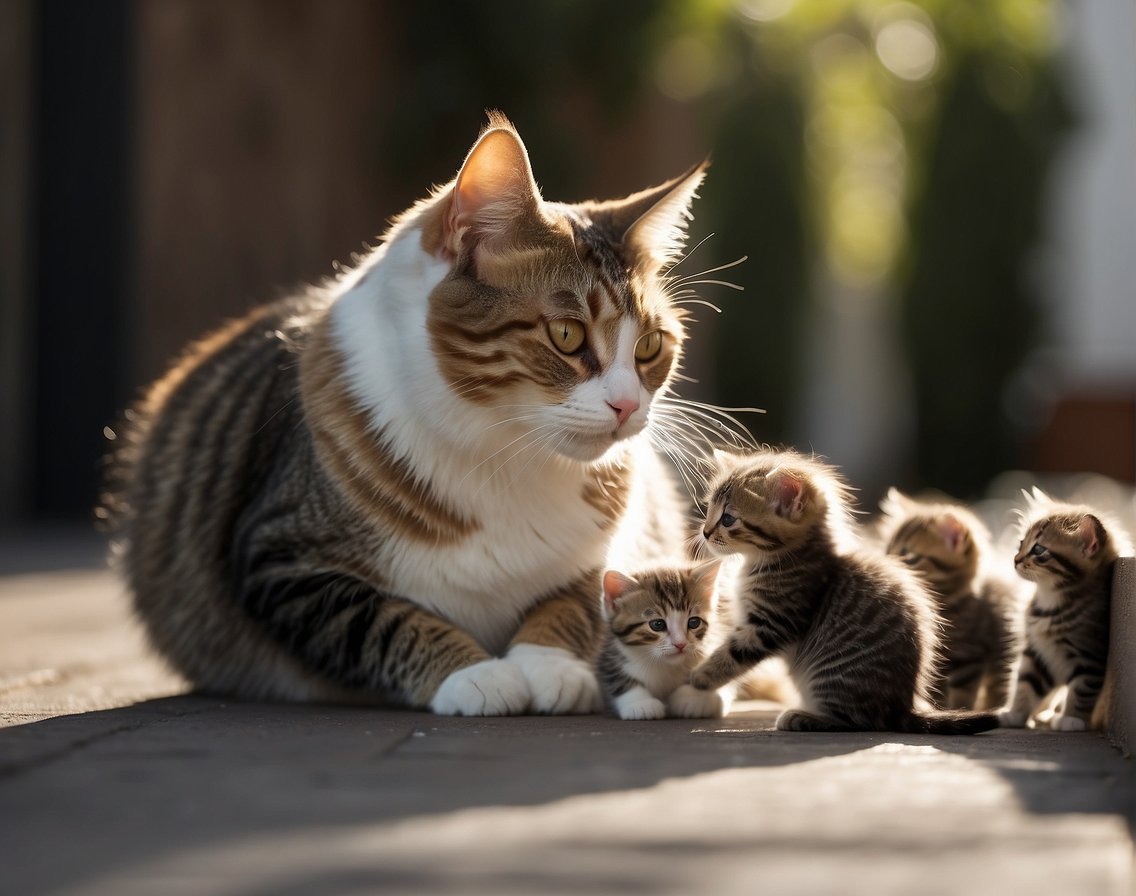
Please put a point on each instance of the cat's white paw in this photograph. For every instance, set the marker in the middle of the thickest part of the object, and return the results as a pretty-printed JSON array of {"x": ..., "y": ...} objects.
[
  {"x": 1067, "y": 723},
  {"x": 639, "y": 704},
  {"x": 560, "y": 682},
  {"x": 1012, "y": 718},
  {"x": 689, "y": 702},
  {"x": 488, "y": 688}
]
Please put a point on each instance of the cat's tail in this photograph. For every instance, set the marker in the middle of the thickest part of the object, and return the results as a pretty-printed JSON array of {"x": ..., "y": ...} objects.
[{"x": 944, "y": 722}]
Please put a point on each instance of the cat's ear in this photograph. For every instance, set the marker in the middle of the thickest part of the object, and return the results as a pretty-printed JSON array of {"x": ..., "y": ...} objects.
[
  {"x": 1091, "y": 534},
  {"x": 896, "y": 504},
  {"x": 493, "y": 191},
  {"x": 615, "y": 585},
  {"x": 789, "y": 495},
  {"x": 654, "y": 221},
  {"x": 953, "y": 532},
  {"x": 725, "y": 460},
  {"x": 703, "y": 579},
  {"x": 1036, "y": 498}
]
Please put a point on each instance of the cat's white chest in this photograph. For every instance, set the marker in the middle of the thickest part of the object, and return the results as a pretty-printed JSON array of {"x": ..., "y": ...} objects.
[{"x": 531, "y": 540}]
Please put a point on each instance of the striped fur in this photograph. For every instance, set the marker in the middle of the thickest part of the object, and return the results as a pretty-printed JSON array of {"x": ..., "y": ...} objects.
[
  {"x": 859, "y": 632},
  {"x": 400, "y": 486},
  {"x": 948, "y": 547},
  {"x": 639, "y": 668},
  {"x": 1069, "y": 552}
]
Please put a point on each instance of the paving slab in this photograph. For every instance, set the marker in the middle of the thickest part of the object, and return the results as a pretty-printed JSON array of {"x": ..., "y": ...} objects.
[{"x": 114, "y": 779}]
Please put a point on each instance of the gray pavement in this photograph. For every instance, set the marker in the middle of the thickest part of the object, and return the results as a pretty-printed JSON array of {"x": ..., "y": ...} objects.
[{"x": 115, "y": 780}]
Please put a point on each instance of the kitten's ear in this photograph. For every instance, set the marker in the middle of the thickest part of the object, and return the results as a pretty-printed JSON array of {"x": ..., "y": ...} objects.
[
  {"x": 703, "y": 578},
  {"x": 494, "y": 189},
  {"x": 1091, "y": 533},
  {"x": 895, "y": 503},
  {"x": 953, "y": 532},
  {"x": 615, "y": 585},
  {"x": 789, "y": 495},
  {"x": 654, "y": 221},
  {"x": 724, "y": 459},
  {"x": 1036, "y": 498}
]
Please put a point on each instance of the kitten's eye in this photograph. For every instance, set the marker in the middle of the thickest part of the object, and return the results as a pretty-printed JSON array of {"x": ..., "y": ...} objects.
[
  {"x": 693, "y": 622},
  {"x": 566, "y": 334},
  {"x": 728, "y": 520},
  {"x": 649, "y": 346},
  {"x": 909, "y": 558},
  {"x": 658, "y": 625},
  {"x": 1038, "y": 550}
]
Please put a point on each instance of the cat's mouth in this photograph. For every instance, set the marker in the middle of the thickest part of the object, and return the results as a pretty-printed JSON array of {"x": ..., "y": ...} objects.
[{"x": 591, "y": 446}]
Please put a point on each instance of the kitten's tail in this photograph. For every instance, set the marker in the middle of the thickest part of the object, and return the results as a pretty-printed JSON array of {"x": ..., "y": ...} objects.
[{"x": 943, "y": 722}]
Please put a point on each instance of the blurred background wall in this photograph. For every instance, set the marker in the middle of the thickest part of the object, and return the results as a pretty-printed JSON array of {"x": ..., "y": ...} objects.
[{"x": 937, "y": 201}]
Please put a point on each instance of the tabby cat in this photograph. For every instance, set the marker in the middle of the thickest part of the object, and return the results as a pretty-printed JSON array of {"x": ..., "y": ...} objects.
[
  {"x": 661, "y": 626},
  {"x": 1069, "y": 551},
  {"x": 857, "y": 630},
  {"x": 404, "y": 485},
  {"x": 949, "y": 548}
]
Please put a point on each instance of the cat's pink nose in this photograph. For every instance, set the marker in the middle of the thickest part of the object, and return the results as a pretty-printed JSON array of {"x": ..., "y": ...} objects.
[
  {"x": 624, "y": 408},
  {"x": 680, "y": 646}
]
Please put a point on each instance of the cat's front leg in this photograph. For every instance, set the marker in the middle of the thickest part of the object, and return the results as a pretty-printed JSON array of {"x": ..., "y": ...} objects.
[
  {"x": 731, "y": 660},
  {"x": 1033, "y": 683},
  {"x": 639, "y": 703},
  {"x": 1081, "y": 699},
  {"x": 555, "y": 649},
  {"x": 688, "y": 702},
  {"x": 362, "y": 638}
]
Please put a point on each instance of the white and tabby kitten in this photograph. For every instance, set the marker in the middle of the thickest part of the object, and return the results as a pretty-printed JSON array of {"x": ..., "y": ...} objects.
[
  {"x": 858, "y": 631},
  {"x": 1069, "y": 552},
  {"x": 949, "y": 547},
  {"x": 661, "y": 624},
  {"x": 405, "y": 485}
]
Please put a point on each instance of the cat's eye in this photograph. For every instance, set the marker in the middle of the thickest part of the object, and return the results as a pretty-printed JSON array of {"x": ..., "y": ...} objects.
[
  {"x": 694, "y": 622},
  {"x": 728, "y": 520},
  {"x": 649, "y": 346},
  {"x": 1038, "y": 550},
  {"x": 566, "y": 334},
  {"x": 658, "y": 625},
  {"x": 909, "y": 558}
]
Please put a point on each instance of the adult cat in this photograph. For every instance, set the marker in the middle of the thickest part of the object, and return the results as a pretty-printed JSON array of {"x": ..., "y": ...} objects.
[{"x": 405, "y": 485}]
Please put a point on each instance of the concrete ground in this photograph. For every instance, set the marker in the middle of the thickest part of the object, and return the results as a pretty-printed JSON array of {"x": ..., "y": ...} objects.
[{"x": 115, "y": 780}]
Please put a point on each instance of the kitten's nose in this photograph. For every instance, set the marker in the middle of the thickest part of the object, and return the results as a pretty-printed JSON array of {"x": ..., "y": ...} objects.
[
  {"x": 680, "y": 646},
  {"x": 624, "y": 408}
]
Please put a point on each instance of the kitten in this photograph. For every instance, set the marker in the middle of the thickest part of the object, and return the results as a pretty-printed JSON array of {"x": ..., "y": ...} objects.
[
  {"x": 857, "y": 630},
  {"x": 404, "y": 485},
  {"x": 661, "y": 625},
  {"x": 1069, "y": 552},
  {"x": 948, "y": 547}
]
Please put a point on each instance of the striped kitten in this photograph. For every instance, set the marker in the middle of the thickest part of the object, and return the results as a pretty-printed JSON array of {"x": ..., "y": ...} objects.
[
  {"x": 404, "y": 486},
  {"x": 661, "y": 625},
  {"x": 857, "y": 630},
  {"x": 948, "y": 546},
  {"x": 1070, "y": 553}
]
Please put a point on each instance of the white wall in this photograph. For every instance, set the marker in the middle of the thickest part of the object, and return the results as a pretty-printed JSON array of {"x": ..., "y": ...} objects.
[{"x": 1091, "y": 273}]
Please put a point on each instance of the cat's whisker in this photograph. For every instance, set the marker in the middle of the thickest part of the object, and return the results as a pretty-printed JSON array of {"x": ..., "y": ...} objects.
[
  {"x": 685, "y": 255},
  {"x": 504, "y": 448},
  {"x": 709, "y": 412},
  {"x": 698, "y": 301},
  {"x": 690, "y": 278}
]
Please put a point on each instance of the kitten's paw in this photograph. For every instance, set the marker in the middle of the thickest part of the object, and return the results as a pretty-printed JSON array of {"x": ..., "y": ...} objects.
[
  {"x": 488, "y": 688},
  {"x": 560, "y": 682},
  {"x": 1012, "y": 718},
  {"x": 1067, "y": 723},
  {"x": 689, "y": 702},
  {"x": 642, "y": 706}
]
